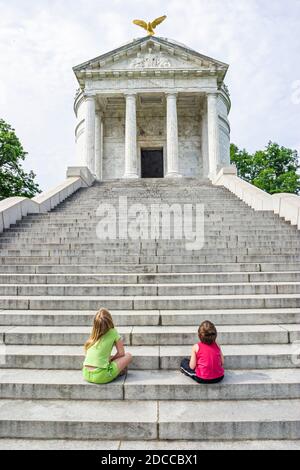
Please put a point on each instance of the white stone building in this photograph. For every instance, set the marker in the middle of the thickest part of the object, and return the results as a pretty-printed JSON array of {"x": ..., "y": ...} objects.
[{"x": 152, "y": 108}]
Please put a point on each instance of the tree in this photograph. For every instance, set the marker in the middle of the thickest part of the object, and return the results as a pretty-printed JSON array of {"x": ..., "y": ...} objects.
[
  {"x": 274, "y": 169},
  {"x": 14, "y": 181}
]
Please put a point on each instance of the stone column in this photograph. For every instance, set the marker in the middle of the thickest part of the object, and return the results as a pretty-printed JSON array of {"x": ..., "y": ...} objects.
[
  {"x": 89, "y": 151},
  {"x": 130, "y": 137},
  {"x": 213, "y": 133},
  {"x": 172, "y": 137},
  {"x": 99, "y": 145}
]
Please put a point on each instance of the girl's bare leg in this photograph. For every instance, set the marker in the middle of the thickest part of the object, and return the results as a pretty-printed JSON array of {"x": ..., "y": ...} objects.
[{"x": 123, "y": 362}]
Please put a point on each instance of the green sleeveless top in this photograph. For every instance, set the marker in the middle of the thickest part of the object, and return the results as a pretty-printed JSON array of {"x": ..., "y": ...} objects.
[{"x": 99, "y": 354}]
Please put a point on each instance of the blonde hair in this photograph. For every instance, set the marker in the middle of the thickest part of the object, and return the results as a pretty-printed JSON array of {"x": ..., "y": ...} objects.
[{"x": 103, "y": 322}]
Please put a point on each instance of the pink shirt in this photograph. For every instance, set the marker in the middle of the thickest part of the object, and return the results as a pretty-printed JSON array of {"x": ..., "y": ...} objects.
[{"x": 209, "y": 362}]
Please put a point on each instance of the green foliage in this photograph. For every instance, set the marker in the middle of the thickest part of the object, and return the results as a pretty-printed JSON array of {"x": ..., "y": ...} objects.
[
  {"x": 274, "y": 169},
  {"x": 14, "y": 181}
]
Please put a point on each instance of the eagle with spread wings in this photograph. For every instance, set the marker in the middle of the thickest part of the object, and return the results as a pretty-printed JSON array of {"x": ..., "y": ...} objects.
[{"x": 150, "y": 27}]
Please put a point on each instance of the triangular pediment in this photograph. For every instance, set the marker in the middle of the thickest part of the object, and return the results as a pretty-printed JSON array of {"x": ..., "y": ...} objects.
[{"x": 148, "y": 54}]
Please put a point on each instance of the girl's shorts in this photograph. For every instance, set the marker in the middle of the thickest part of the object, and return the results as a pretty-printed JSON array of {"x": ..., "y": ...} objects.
[{"x": 101, "y": 376}]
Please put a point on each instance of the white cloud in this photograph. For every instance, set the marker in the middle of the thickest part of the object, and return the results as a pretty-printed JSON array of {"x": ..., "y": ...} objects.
[{"x": 41, "y": 41}]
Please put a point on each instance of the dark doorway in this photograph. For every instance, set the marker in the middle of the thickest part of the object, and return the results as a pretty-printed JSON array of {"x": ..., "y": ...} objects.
[{"x": 152, "y": 163}]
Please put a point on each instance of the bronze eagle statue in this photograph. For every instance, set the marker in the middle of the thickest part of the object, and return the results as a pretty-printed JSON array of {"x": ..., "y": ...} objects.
[{"x": 150, "y": 27}]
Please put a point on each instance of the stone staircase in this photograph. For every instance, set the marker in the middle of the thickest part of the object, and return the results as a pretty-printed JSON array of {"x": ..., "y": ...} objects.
[{"x": 55, "y": 274}]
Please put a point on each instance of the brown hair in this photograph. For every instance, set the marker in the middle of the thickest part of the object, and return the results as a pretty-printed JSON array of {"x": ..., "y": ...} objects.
[
  {"x": 207, "y": 332},
  {"x": 103, "y": 322}
]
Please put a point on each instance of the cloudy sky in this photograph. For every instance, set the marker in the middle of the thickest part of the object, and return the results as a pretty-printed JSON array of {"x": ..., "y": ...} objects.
[{"x": 41, "y": 40}]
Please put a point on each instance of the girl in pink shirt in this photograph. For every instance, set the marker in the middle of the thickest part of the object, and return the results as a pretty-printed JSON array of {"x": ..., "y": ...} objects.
[{"x": 206, "y": 364}]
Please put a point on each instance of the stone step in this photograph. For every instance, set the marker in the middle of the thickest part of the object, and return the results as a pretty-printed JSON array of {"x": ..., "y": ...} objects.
[
  {"x": 65, "y": 419},
  {"x": 177, "y": 445},
  {"x": 244, "y": 316},
  {"x": 106, "y": 252},
  {"x": 214, "y": 226},
  {"x": 107, "y": 257},
  {"x": 156, "y": 251},
  {"x": 152, "y": 317},
  {"x": 150, "y": 268},
  {"x": 156, "y": 248},
  {"x": 85, "y": 318},
  {"x": 90, "y": 269},
  {"x": 164, "y": 278},
  {"x": 209, "y": 227},
  {"x": 273, "y": 419},
  {"x": 212, "y": 208},
  {"x": 226, "y": 241},
  {"x": 151, "y": 335},
  {"x": 61, "y": 444},
  {"x": 228, "y": 218},
  {"x": 70, "y": 232},
  {"x": 149, "y": 385},
  {"x": 209, "y": 289},
  {"x": 134, "y": 260},
  {"x": 220, "y": 215},
  {"x": 150, "y": 420},
  {"x": 149, "y": 302},
  {"x": 237, "y": 357}
]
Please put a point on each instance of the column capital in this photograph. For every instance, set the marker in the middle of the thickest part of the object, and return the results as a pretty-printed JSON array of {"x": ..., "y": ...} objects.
[
  {"x": 171, "y": 94},
  {"x": 212, "y": 94},
  {"x": 90, "y": 96},
  {"x": 130, "y": 94}
]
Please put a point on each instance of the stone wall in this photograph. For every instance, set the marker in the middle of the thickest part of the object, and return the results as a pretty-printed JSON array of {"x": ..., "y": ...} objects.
[
  {"x": 114, "y": 144},
  {"x": 189, "y": 132}
]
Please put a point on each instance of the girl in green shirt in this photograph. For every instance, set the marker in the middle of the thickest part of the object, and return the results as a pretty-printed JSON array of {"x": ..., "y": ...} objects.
[{"x": 99, "y": 366}]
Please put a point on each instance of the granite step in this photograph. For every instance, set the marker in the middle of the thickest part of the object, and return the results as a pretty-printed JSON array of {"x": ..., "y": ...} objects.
[
  {"x": 70, "y": 444},
  {"x": 164, "y": 278},
  {"x": 152, "y": 317},
  {"x": 155, "y": 248},
  {"x": 185, "y": 445},
  {"x": 22, "y": 241},
  {"x": 237, "y": 357},
  {"x": 151, "y": 335},
  {"x": 208, "y": 302},
  {"x": 155, "y": 253},
  {"x": 149, "y": 385},
  {"x": 150, "y": 268},
  {"x": 189, "y": 258},
  {"x": 66, "y": 419},
  {"x": 264, "y": 419},
  {"x": 150, "y": 289}
]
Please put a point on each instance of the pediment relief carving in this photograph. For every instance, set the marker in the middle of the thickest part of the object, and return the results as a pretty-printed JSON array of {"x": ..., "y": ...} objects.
[
  {"x": 150, "y": 61},
  {"x": 154, "y": 60}
]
